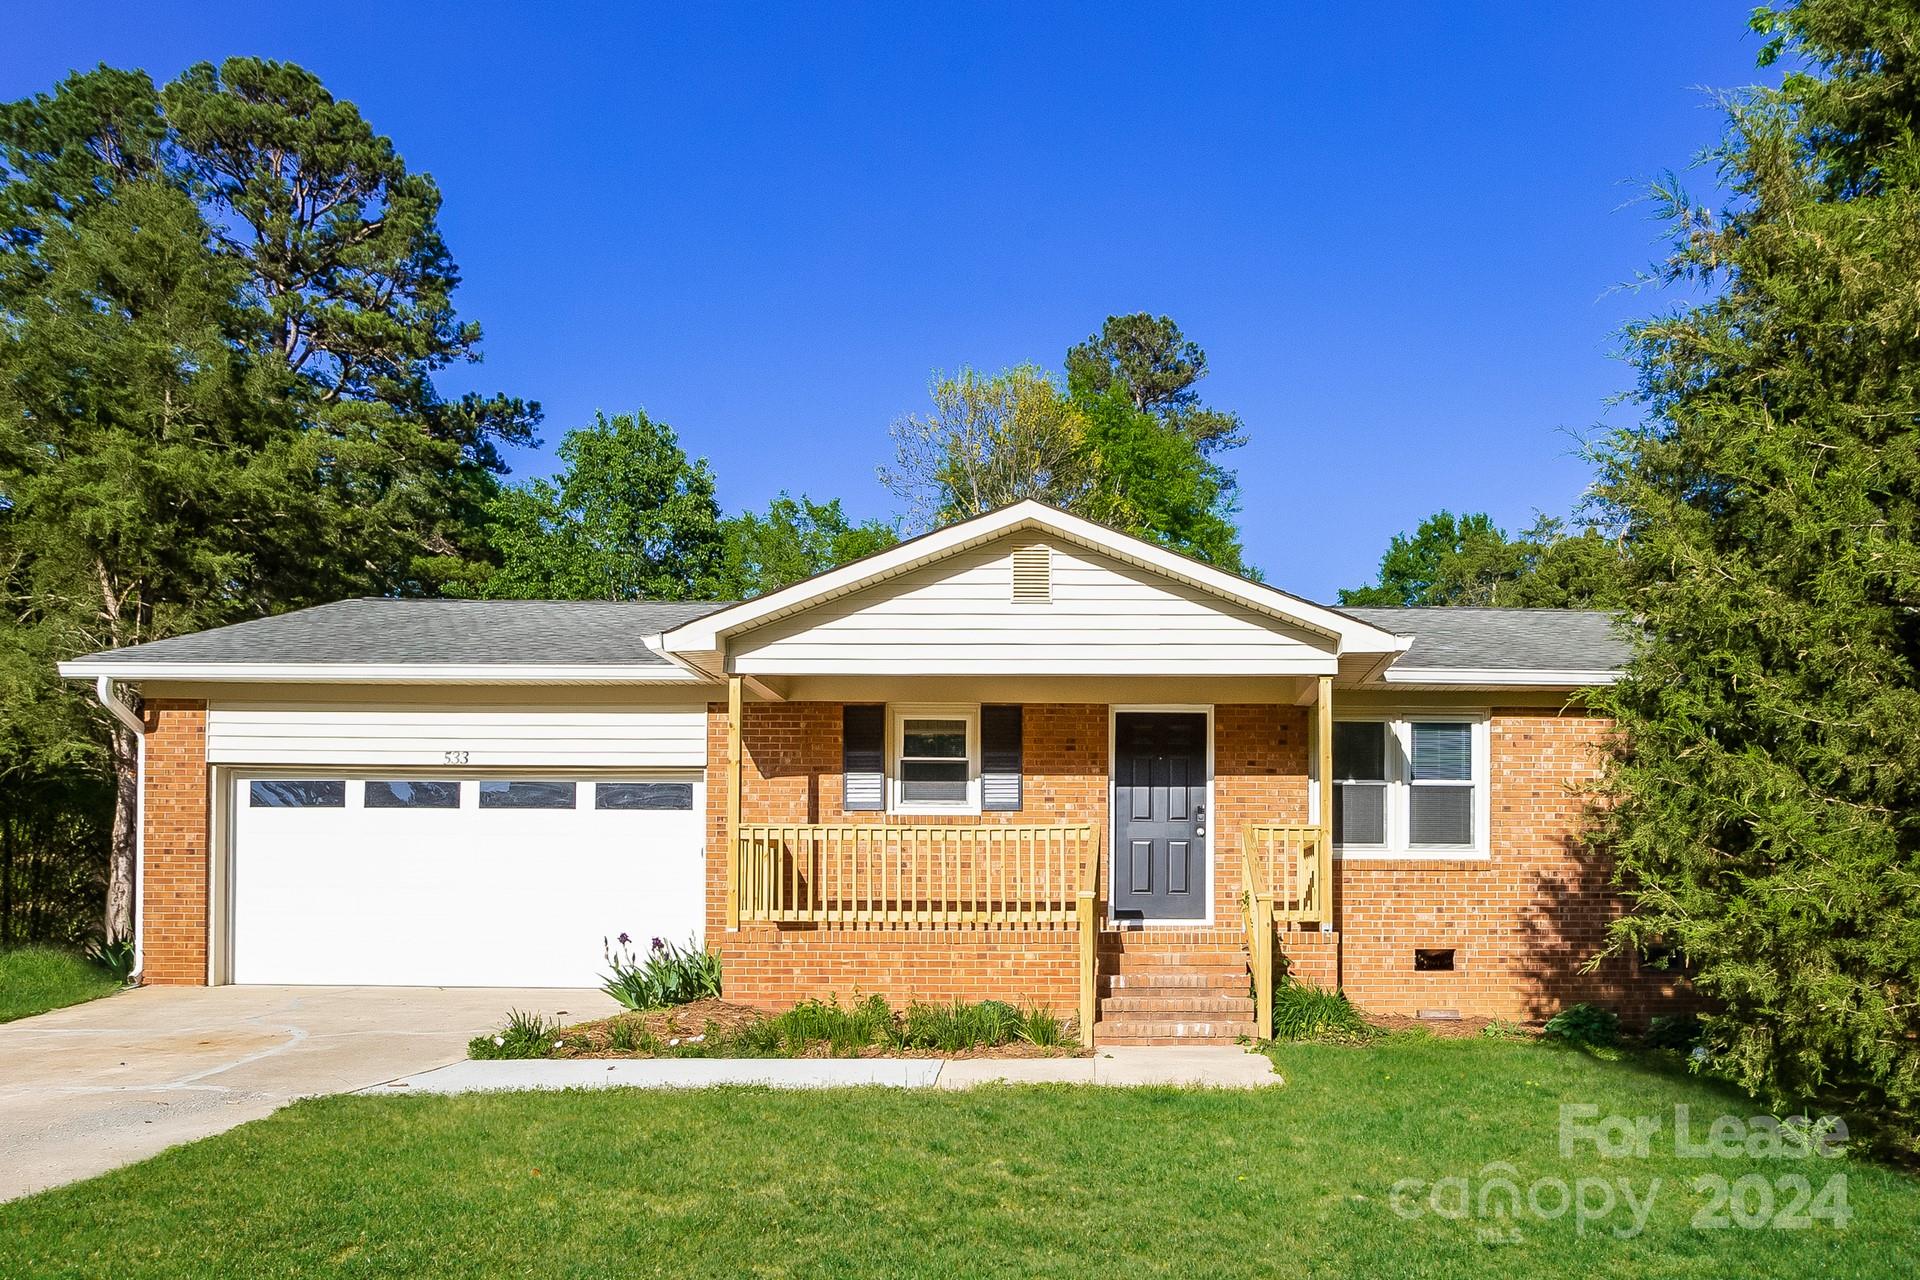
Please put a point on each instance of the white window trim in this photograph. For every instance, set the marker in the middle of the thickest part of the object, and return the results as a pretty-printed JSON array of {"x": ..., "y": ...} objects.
[
  {"x": 1399, "y": 785},
  {"x": 897, "y": 713}
]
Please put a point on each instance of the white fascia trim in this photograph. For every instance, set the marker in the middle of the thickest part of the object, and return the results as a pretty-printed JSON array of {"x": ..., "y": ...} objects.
[
  {"x": 1498, "y": 677},
  {"x": 380, "y": 673},
  {"x": 703, "y": 635}
]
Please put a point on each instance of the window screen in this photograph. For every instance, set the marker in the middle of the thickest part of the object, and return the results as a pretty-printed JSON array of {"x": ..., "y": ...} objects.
[
  {"x": 526, "y": 795},
  {"x": 643, "y": 795},
  {"x": 1440, "y": 799},
  {"x": 413, "y": 795},
  {"x": 297, "y": 794},
  {"x": 1360, "y": 783},
  {"x": 933, "y": 760}
]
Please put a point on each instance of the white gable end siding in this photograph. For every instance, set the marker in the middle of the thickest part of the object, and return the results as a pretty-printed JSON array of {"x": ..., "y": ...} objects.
[
  {"x": 398, "y": 734},
  {"x": 959, "y": 617}
]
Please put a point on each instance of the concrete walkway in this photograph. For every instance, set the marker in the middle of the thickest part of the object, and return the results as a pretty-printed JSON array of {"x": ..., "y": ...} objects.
[
  {"x": 1210, "y": 1065},
  {"x": 99, "y": 1085},
  {"x": 90, "y": 1088}
]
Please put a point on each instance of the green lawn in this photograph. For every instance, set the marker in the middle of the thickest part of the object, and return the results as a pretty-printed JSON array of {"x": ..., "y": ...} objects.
[
  {"x": 36, "y": 979},
  {"x": 1052, "y": 1181}
]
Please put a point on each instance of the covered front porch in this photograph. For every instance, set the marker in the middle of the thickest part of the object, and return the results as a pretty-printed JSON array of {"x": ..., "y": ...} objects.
[
  {"x": 1027, "y": 758},
  {"x": 1028, "y": 904}
]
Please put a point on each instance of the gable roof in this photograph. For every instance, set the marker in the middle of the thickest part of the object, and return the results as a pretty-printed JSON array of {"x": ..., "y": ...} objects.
[
  {"x": 665, "y": 642},
  {"x": 1460, "y": 645},
  {"x": 699, "y": 640},
  {"x": 386, "y": 638}
]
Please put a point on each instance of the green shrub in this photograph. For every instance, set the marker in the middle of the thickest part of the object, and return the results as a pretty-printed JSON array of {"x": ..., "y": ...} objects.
[
  {"x": 1676, "y": 1031},
  {"x": 524, "y": 1035},
  {"x": 1585, "y": 1024},
  {"x": 1302, "y": 1012},
  {"x": 666, "y": 975},
  {"x": 114, "y": 957}
]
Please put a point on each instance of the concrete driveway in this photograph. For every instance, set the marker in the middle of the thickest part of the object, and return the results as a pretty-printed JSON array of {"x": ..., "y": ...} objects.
[{"x": 96, "y": 1086}]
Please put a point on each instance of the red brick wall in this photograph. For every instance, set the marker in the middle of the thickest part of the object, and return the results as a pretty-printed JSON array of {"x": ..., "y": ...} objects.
[
  {"x": 1259, "y": 775},
  {"x": 773, "y": 967},
  {"x": 1522, "y": 922},
  {"x": 792, "y": 774},
  {"x": 173, "y": 886}
]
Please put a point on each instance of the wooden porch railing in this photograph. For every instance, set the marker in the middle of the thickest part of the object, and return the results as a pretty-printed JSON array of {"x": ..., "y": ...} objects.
[
  {"x": 931, "y": 877},
  {"x": 1287, "y": 872},
  {"x": 927, "y": 877}
]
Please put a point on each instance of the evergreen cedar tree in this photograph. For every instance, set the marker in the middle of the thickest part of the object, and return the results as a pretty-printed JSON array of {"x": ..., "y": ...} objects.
[{"x": 1763, "y": 805}]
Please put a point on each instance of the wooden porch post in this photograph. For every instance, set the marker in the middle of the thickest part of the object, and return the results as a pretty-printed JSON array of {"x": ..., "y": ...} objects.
[
  {"x": 733, "y": 802},
  {"x": 1323, "y": 869}
]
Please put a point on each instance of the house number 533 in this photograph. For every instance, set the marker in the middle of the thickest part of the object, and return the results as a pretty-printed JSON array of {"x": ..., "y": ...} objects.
[{"x": 456, "y": 757}]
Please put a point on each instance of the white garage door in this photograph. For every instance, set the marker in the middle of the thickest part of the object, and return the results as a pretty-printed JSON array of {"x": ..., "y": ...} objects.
[{"x": 441, "y": 881}]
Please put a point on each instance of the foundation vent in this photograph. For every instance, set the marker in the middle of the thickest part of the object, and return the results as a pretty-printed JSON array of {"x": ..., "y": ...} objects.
[{"x": 1032, "y": 575}]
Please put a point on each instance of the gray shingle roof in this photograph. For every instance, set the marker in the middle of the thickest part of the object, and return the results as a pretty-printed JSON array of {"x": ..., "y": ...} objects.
[
  {"x": 379, "y": 631},
  {"x": 1503, "y": 639},
  {"x": 610, "y": 632}
]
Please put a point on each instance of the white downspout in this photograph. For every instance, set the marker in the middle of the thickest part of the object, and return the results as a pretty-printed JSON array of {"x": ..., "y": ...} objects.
[{"x": 105, "y": 690}]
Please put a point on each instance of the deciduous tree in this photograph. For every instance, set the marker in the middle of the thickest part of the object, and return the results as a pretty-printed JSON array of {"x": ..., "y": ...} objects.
[
  {"x": 1468, "y": 560},
  {"x": 990, "y": 440},
  {"x": 1128, "y": 444},
  {"x": 796, "y": 538},
  {"x": 629, "y": 517}
]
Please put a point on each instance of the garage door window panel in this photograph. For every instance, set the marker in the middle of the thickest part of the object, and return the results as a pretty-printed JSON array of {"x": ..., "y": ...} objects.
[
  {"x": 528, "y": 795},
  {"x": 299, "y": 793},
  {"x": 413, "y": 795},
  {"x": 648, "y": 796}
]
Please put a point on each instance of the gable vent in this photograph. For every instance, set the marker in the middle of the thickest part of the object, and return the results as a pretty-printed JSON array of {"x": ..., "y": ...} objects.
[{"x": 1032, "y": 575}]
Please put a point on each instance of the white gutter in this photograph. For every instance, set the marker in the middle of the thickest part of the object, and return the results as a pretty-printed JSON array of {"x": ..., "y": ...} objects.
[
  {"x": 381, "y": 673},
  {"x": 1498, "y": 676}
]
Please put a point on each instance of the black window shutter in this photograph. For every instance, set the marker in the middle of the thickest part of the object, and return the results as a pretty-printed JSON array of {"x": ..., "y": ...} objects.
[
  {"x": 1000, "y": 761},
  {"x": 863, "y": 759}
]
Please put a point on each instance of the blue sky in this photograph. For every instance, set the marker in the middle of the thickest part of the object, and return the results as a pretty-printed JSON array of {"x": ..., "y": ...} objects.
[{"x": 1395, "y": 228}]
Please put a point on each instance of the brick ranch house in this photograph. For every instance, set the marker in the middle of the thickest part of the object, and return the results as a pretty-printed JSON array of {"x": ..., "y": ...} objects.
[{"x": 1023, "y": 757}]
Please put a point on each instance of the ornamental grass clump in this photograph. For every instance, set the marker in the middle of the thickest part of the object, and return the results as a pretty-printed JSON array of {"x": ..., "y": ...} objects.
[
  {"x": 524, "y": 1035},
  {"x": 1303, "y": 1012},
  {"x": 1041, "y": 1029},
  {"x": 959, "y": 1025},
  {"x": 845, "y": 1029}
]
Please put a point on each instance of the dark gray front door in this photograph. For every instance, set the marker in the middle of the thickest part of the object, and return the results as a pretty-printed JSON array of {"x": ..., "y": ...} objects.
[{"x": 1159, "y": 815}]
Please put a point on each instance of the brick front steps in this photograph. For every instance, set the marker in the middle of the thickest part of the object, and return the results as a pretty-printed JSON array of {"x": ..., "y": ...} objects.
[{"x": 1173, "y": 986}]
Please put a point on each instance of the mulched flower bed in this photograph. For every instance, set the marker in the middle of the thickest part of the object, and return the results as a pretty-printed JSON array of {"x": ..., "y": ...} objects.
[{"x": 688, "y": 1026}]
